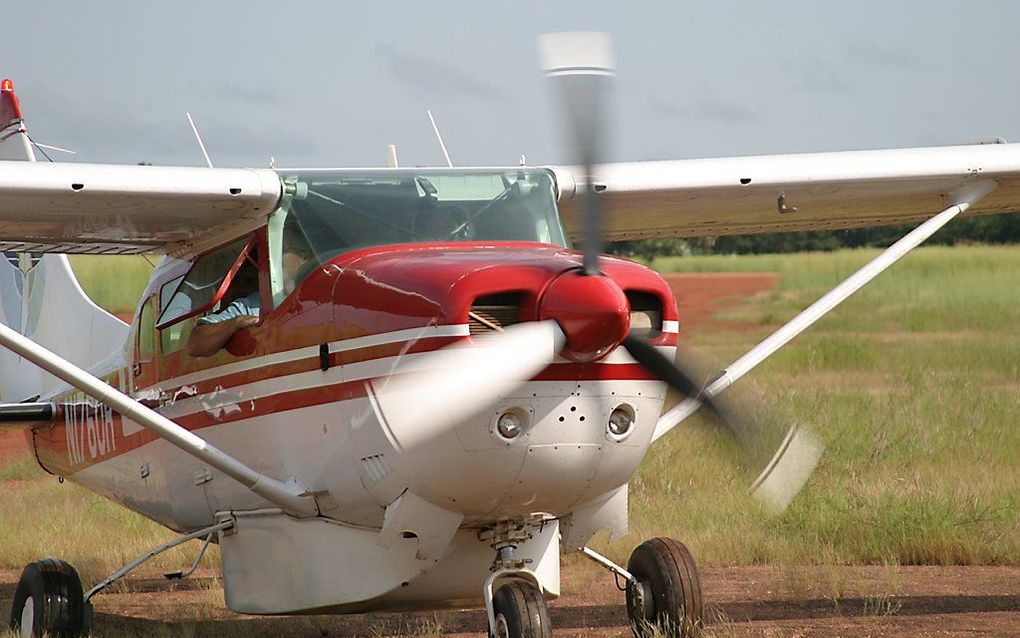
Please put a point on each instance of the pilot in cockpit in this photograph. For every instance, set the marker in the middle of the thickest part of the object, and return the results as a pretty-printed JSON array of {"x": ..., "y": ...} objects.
[
  {"x": 214, "y": 330},
  {"x": 445, "y": 223}
]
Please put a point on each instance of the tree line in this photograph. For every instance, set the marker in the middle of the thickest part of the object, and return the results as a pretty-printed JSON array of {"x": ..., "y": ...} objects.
[{"x": 987, "y": 229}]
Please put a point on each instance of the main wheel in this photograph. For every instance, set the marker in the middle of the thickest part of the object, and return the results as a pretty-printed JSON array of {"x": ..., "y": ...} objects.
[
  {"x": 521, "y": 611},
  {"x": 669, "y": 600},
  {"x": 49, "y": 601}
]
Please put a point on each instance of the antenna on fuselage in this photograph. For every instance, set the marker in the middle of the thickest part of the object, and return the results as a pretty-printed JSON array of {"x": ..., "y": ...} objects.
[
  {"x": 439, "y": 137},
  {"x": 199, "y": 138},
  {"x": 49, "y": 147},
  {"x": 391, "y": 156}
]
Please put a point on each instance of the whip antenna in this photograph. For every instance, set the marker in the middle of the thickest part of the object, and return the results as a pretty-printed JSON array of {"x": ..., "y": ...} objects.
[
  {"x": 198, "y": 137},
  {"x": 439, "y": 138}
]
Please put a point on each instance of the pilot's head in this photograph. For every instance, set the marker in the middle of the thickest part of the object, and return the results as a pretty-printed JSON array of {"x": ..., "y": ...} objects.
[
  {"x": 295, "y": 254},
  {"x": 440, "y": 224}
]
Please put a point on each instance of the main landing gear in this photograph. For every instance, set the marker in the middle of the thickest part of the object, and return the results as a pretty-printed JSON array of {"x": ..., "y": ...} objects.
[
  {"x": 517, "y": 609},
  {"x": 49, "y": 599},
  {"x": 663, "y": 590}
]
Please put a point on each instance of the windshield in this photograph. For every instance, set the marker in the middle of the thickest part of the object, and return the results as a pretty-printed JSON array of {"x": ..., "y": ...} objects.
[{"x": 337, "y": 211}]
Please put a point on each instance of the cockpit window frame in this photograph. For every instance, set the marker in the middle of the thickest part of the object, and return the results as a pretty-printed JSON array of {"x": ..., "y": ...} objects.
[
  {"x": 220, "y": 291},
  {"x": 310, "y": 193}
]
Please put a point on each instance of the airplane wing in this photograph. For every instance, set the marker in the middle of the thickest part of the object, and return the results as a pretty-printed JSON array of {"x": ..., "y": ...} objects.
[
  {"x": 778, "y": 193},
  {"x": 110, "y": 209},
  {"x": 124, "y": 209}
]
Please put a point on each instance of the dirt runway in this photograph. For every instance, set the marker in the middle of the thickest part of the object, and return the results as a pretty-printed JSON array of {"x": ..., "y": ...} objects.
[{"x": 777, "y": 602}]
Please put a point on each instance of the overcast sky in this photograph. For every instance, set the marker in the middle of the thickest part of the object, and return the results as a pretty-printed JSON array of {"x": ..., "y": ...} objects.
[{"x": 332, "y": 83}]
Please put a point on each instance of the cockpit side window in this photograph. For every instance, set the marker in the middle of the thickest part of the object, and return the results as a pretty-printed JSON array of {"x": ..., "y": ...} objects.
[{"x": 206, "y": 283}]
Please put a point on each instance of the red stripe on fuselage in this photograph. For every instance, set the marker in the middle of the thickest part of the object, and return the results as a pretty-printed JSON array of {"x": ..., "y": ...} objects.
[
  {"x": 308, "y": 364},
  {"x": 52, "y": 447}
]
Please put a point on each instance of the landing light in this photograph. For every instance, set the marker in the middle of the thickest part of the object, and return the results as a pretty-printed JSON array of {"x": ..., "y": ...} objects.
[
  {"x": 509, "y": 425},
  {"x": 620, "y": 421}
]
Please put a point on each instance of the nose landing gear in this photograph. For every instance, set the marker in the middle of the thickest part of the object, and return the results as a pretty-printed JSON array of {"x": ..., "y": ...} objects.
[
  {"x": 520, "y": 611},
  {"x": 517, "y": 609}
]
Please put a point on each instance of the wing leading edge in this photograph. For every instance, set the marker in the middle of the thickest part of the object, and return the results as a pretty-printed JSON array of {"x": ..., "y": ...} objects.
[
  {"x": 741, "y": 195},
  {"x": 118, "y": 209}
]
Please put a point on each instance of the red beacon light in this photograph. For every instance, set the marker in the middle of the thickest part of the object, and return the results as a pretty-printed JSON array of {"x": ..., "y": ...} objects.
[{"x": 7, "y": 85}]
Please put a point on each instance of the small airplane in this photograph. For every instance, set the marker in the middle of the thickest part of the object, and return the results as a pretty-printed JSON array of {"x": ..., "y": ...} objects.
[{"x": 393, "y": 388}]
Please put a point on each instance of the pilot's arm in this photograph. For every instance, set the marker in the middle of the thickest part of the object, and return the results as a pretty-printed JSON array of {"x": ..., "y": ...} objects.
[{"x": 213, "y": 331}]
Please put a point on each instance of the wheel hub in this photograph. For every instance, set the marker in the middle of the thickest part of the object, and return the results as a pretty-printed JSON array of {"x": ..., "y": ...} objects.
[
  {"x": 502, "y": 630},
  {"x": 28, "y": 618},
  {"x": 641, "y": 604}
]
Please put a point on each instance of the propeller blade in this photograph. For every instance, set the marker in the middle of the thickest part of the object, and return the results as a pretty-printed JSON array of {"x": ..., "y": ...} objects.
[
  {"x": 657, "y": 363},
  {"x": 786, "y": 455},
  {"x": 432, "y": 393},
  {"x": 580, "y": 65}
]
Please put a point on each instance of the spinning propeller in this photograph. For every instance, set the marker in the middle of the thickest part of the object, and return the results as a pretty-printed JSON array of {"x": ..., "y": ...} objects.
[{"x": 414, "y": 404}]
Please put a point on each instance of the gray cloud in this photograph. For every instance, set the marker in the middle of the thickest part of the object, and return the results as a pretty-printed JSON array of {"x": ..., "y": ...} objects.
[
  {"x": 249, "y": 94},
  {"x": 101, "y": 126},
  {"x": 720, "y": 110},
  {"x": 892, "y": 56},
  {"x": 423, "y": 72},
  {"x": 824, "y": 78}
]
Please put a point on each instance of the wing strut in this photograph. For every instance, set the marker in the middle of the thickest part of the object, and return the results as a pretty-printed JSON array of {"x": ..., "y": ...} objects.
[
  {"x": 963, "y": 199},
  {"x": 289, "y": 496}
]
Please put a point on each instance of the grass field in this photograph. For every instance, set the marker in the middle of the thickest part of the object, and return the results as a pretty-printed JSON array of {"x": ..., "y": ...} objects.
[
  {"x": 913, "y": 386},
  {"x": 115, "y": 283}
]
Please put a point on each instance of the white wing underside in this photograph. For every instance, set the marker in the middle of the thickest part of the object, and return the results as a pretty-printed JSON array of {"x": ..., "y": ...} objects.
[
  {"x": 728, "y": 196},
  {"x": 116, "y": 209}
]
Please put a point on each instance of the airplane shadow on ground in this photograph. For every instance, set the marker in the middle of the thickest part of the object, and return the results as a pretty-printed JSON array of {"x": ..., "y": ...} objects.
[{"x": 573, "y": 617}]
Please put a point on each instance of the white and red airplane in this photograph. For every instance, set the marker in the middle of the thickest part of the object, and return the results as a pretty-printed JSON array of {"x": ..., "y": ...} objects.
[{"x": 399, "y": 388}]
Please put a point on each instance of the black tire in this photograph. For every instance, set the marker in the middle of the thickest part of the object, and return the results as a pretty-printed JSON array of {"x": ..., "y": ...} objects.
[
  {"x": 522, "y": 611},
  {"x": 670, "y": 587},
  {"x": 53, "y": 590}
]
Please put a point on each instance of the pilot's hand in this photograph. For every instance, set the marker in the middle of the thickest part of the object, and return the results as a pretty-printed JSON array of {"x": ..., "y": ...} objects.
[
  {"x": 241, "y": 344},
  {"x": 206, "y": 339},
  {"x": 244, "y": 321}
]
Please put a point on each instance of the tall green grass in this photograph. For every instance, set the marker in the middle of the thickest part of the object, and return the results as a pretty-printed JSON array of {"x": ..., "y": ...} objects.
[
  {"x": 45, "y": 518},
  {"x": 914, "y": 386},
  {"x": 114, "y": 283}
]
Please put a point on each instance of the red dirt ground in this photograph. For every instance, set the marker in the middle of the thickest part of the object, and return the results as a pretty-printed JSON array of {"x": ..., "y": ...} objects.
[
  {"x": 12, "y": 445},
  {"x": 700, "y": 296},
  {"x": 777, "y": 602}
]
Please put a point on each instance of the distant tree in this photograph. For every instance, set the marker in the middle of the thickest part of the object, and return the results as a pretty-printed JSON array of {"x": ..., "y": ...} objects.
[{"x": 985, "y": 229}]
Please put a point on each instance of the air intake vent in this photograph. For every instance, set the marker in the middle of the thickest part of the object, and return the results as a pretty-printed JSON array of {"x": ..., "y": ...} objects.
[
  {"x": 494, "y": 312},
  {"x": 645, "y": 314},
  {"x": 375, "y": 467}
]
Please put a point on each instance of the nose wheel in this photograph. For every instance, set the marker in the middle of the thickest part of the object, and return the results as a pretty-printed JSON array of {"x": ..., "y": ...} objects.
[
  {"x": 517, "y": 609},
  {"x": 521, "y": 612}
]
